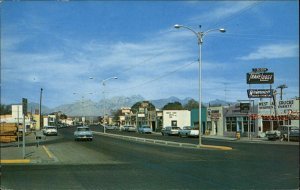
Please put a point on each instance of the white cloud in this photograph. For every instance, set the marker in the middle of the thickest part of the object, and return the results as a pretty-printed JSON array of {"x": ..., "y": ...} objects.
[
  {"x": 223, "y": 11},
  {"x": 273, "y": 51}
]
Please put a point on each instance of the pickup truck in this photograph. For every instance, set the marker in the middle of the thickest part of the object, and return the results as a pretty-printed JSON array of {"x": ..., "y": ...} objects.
[
  {"x": 83, "y": 133},
  {"x": 187, "y": 131}
]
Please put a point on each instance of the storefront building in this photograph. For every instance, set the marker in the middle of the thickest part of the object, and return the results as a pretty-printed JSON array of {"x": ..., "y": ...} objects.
[
  {"x": 176, "y": 118},
  {"x": 195, "y": 118},
  {"x": 270, "y": 116},
  {"x": 237, "y": 121}
]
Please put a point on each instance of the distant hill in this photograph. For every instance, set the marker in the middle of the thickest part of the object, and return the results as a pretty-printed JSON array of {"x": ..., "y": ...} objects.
[
  {"x": 218, "y": 102},
  {"x": 90, "y": 108},
  {"x": 32, "y": 106},
  {"x": 160, "y": 103}
]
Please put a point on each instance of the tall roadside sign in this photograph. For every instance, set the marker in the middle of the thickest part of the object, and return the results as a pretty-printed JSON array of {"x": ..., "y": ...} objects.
[{"x": 261, "y": 76}]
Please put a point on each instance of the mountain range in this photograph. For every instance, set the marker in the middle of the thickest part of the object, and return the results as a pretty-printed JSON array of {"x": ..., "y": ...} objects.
[{"x": 90, "y": 108}]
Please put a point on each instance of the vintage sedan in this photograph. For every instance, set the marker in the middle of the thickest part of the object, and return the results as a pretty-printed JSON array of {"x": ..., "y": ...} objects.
[
  {"x": 145, "y": 129},
  {"x": 188, "y": 131},
  {"x": 49, "y": 130},
  {"x": 129, "y": 128},
  {"x": 83, "y": 133},
  {"x": 169, "y": 130}
]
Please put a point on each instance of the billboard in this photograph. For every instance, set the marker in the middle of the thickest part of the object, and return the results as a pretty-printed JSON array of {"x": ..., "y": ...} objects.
[
  {"x": 260, "y": 78},
  {"x": 244, "y": 107},
  {"x": 260, "y": 93}
]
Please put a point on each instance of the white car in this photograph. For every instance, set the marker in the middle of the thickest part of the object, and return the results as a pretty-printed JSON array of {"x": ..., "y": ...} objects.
[
  {"x": 170, "y": 130},
  {"x": 187, "y": 131},
  {"x": 273, "y": 135},
  {"x": 50, "y": 130},
  {"x": 145, "y": 129},
  {"x": 83, "y": 133},
  {"x": 110, "y": 127},
  {"x": 129, "y": 128}
]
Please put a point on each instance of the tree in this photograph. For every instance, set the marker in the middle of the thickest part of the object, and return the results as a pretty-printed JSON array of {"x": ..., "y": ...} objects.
[
  {"x": 5, "y": 109},
  {"x": 63, "y": 116},
  {"x": 173, "y": 106},
  {"x": 116, "y": 114},
  {"x": 192, "y": 104},
  {"x": 136, "y": 106}
]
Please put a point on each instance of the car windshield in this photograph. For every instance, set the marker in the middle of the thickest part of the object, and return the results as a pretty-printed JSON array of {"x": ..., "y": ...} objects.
[
  {"x": 83, "y": 129},
  {"x": 175, "y": 127},
  {"x": 50, "y": 127}
]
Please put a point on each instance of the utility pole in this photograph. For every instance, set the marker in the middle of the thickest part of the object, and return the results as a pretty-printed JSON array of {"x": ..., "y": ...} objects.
[{"x": 281, "y": 89}]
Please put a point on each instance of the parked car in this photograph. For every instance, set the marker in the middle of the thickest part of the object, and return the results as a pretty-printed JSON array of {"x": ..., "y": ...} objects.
[
  {"x": 188, "y": 131},
  {"x": 129, "y": 128},
  {"x": 273, "y": 134},
  {"x": 294, "y": 135},
  {"x": 49, "y": 130},
  {"x": 110, "y": 127},
  {"x": 83, "y": 133},
  {"x": 170, "y": 130},
  {"x": 289, "y": 132},
  {"x": 145, "y": 129}
]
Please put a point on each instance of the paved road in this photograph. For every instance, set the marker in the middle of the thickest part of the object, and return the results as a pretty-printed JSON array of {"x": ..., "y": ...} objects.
[{"x": 109, "y": 163}]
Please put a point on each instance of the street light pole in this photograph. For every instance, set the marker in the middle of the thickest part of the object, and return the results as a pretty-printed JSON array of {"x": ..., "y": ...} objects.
[
  {"x": 103, "y": 83},
  {"x": 82, "y": 111},
  {"x": 41, "y": 108},
  {"x": 199, "y": 36}
]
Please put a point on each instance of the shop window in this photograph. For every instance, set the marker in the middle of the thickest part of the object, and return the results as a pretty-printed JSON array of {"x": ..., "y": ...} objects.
[{"x": 231, "y": 124}]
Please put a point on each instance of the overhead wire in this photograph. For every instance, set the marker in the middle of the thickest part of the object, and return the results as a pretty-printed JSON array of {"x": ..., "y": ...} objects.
[
  {"x": 234, "y": 16},
  {"x": 156, "y": 78},
  {"x": 229, "y": 18}
]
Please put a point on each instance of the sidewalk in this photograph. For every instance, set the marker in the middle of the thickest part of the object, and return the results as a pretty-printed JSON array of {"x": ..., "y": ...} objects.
[
  {"x": 12, "y": 154},
  {"x": 250, "y": 140}
]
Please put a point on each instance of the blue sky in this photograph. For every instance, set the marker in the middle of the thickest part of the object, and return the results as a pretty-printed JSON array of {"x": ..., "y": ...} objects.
[{"x": 58, "y": 45}]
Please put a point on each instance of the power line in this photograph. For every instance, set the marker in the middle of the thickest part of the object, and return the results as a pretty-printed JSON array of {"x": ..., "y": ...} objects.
[
  {"x": 235, "y": 15},
  {"x": 256, "y": 36},
  {"x": 157, "y": 78}
]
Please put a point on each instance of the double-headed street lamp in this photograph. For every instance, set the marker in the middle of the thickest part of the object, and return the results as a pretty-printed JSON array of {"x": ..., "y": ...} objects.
[
  {"x": 82, "y": 111},
  {"x": 103, "y": 82},
  {"x": 200, "y": 35}
]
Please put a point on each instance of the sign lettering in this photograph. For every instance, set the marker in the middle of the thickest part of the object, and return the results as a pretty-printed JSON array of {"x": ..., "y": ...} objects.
[{"x": 260, "y": 78}]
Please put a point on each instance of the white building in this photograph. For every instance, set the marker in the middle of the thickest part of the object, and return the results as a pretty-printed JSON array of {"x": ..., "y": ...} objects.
[
  {"x": 178, "y": 118},
  {"x": 287, "y": 112}
]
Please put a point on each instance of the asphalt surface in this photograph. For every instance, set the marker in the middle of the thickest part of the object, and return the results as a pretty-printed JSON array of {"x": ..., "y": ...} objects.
[{"x": 111, "y": 163}]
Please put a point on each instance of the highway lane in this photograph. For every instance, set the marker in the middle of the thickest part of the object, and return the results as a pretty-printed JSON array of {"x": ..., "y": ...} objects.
[{"x": 109, "y": 163}]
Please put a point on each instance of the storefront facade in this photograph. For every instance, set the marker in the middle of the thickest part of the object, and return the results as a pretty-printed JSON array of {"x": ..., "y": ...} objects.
[
  {"x": 215, "y": 121},
  {"x": 285, "y": 112},
  {"x": 237, "y": 121},
  {"x": 195, "y": 118},
  {"x": 176, "y": 118}
]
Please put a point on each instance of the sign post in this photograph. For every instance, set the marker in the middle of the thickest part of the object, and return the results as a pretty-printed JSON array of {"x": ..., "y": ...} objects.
[
  {"x": 24, "y": 106},
  {"x": 261, "y": 76}
]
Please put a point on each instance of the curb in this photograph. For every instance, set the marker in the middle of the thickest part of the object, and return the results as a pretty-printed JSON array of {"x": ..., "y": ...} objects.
[
  {"x": 216, "y": 147},
  {"x": 17, "y": 161},
  {"x": 164, "y": 143}
]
